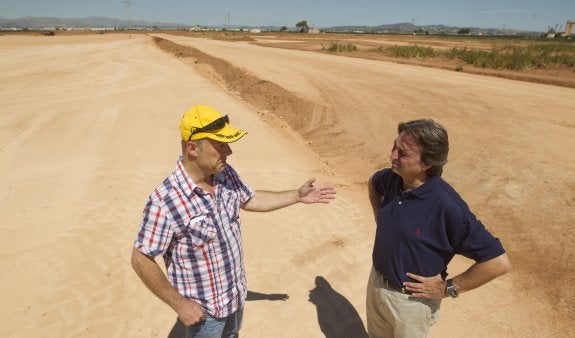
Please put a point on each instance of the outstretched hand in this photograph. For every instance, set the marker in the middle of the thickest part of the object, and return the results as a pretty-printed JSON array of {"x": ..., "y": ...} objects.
[{"x": 309, "y": 193}]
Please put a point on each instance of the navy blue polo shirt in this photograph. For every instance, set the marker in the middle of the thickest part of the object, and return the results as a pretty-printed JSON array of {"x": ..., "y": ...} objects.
[{"x": 420, "y": 231}]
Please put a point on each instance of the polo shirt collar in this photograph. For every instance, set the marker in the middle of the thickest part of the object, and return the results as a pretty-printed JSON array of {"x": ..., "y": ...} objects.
[{"x": 426, "y": 188}]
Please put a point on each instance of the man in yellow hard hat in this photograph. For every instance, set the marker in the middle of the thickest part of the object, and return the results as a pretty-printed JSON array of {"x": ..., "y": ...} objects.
[{"x": 192, "y": 219}]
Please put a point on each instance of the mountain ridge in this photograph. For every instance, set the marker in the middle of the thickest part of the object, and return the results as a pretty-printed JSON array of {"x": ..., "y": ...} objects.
[{"x": 42, "y": 23}]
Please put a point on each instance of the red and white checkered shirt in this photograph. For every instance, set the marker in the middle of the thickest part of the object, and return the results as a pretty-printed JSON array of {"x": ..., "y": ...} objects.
[{"x": 199, "y": 237}]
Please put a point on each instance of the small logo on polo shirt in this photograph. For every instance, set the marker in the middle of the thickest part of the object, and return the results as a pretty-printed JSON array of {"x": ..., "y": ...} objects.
[{"x": 417, "y": 232}]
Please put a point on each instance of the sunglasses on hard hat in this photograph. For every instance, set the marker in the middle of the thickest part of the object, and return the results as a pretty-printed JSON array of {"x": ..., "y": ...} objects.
[{"x": 214, "y": 125}]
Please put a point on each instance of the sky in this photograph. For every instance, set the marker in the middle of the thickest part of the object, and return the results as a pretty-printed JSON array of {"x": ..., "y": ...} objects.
[{"x": 531, "y": 15}]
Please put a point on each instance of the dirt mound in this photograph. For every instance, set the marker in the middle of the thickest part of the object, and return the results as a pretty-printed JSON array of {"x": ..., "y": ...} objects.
[{"x": 265, "y": 96}]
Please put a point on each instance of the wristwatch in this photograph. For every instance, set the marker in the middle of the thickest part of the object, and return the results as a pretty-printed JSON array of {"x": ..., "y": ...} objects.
[{"x": 450, "y": 289}]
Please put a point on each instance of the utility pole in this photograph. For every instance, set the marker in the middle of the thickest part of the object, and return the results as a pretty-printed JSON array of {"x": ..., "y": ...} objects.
[{"x": 128, "y": 3}]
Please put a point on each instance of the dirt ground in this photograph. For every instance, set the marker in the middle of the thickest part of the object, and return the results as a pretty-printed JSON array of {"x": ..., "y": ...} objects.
[
  {"x": 88, "y": 128},
  {"x": 367, "y": 43}
]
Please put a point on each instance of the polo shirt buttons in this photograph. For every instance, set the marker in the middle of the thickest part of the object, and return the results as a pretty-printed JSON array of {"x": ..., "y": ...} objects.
[{"x": 399, "y": 202}]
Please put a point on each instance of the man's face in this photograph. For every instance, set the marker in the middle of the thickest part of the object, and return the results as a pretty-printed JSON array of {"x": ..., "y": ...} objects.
[
  {"x": 406, "y": 158},
  {"x": 212, "y": 155}
]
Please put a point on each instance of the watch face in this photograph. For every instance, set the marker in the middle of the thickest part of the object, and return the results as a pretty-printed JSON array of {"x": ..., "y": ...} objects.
[{"x": 452, "y": 291}]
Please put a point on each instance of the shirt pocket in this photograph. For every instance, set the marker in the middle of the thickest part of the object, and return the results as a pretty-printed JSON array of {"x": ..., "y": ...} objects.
[
  {"x": 197, "y": 232},
  {"x": 230, "y": 204}
]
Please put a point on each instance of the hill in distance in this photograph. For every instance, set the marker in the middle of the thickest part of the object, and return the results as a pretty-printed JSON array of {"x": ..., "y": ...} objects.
[{"x": 43, "y": 23}]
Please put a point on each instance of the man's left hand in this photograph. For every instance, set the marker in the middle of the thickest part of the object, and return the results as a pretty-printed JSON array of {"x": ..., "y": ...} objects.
[{"x": 428, "y": 287}]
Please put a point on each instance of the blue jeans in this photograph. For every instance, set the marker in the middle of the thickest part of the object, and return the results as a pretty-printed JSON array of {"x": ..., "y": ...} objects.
[{"x": 227, "y": 327}]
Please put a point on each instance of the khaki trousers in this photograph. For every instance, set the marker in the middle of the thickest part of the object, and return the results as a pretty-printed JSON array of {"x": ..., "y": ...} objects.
[{"x": 393, "y": 314}]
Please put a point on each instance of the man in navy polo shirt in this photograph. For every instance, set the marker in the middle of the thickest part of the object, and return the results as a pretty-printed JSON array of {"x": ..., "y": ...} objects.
[{"x": 421, "y": 224}]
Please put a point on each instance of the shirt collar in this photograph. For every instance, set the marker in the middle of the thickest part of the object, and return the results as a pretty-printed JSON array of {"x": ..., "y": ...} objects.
[
  {"x": 425, "y": 189},
  {"x": 184, "y": 180},
  {"x": 188, "y": 186},
  {"x": 219, "y": 177}
]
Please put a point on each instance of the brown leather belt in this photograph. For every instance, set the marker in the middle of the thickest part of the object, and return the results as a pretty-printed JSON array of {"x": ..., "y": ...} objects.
[{"x": 391, "y": 286}]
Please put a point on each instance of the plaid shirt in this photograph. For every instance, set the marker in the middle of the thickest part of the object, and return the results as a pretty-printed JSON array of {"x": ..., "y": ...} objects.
[{"x": 199, "y": 237}]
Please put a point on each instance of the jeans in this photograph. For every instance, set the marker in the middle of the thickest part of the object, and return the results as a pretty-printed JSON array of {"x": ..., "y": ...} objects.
[{"x": 211, "y": 327}]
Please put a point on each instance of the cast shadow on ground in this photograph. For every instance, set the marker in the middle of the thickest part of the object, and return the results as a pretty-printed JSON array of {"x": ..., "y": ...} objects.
[
  {"x": 266, "y": 296},
  {"x": 336, "y": 316}
]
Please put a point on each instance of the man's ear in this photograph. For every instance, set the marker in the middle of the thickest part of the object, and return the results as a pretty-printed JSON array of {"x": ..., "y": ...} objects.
[
  {"x": 190, "y": 148},
  {"x": 425, "y": 166}
]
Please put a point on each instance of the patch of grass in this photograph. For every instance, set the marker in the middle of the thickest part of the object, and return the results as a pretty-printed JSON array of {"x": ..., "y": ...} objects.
[
  {"x": 508, "y": 57},
  {"x": 336, "y": 46},
  {"x": 413, "y": 51},
  {"x": 515, "y": 57}
]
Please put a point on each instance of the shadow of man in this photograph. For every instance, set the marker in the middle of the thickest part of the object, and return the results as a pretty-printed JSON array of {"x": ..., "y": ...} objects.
[{"x": 336, "y": 316}]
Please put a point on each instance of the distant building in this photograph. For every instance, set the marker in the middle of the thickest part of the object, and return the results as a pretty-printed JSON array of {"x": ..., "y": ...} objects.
[
  {"x": 197, "y": 28},
  {"x": 314, "y": 31},
  {"x": 569, "y": 28}
]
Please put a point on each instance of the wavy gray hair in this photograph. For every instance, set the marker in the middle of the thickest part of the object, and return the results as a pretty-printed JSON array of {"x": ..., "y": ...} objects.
[{"x": 433, "y": 141}]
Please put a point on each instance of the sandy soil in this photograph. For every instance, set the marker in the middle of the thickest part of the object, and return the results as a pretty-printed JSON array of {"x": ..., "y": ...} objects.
[
  {"x": 88, "y": 127},
  {"x": 368, "y": 46}
]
